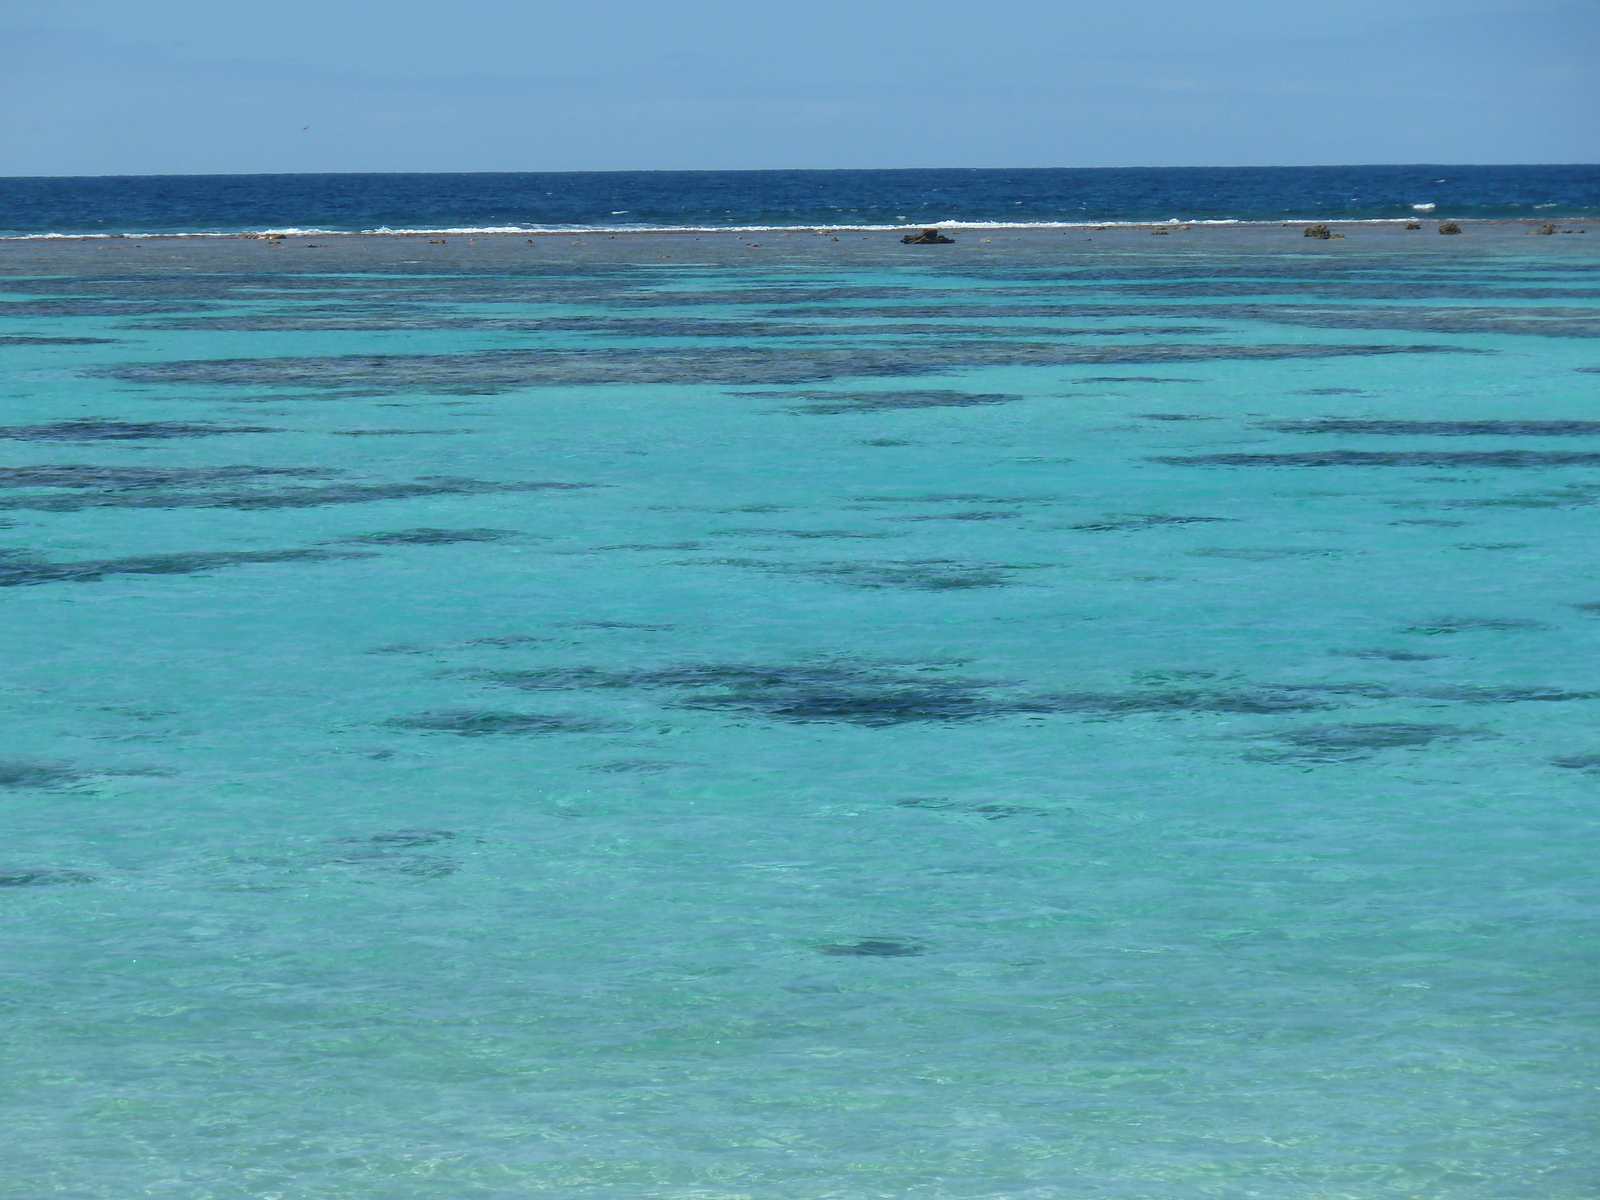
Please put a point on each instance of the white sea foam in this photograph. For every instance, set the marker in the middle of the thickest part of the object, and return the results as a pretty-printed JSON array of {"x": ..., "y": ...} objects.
[{"x": 1424, "y": 207}]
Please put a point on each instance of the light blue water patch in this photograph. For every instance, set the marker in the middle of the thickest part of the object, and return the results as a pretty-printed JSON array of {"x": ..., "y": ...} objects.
[{"x": 489, "y": 762}]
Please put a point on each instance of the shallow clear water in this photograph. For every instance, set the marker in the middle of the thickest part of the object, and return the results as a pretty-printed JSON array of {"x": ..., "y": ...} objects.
[{"x": 1033, "y": 718}]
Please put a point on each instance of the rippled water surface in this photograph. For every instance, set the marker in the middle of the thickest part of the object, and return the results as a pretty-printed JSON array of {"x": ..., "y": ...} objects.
[{"x": 1045, "y": 717}]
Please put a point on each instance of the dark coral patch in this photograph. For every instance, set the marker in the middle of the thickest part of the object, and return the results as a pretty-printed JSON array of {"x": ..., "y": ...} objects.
[
  {"x": 989, "y": 811},
  {"x": 1172, "y": 701},
  {"x": 15, "y": 774},
  {"x": 1478, "y": 694},
  {"x": 640, "y": 625},
  {"x": 982, "y": 514},
  {"x": 47, "y": 877},
  {"x": 19, "y": 572},
  {"x": 923, "y": 575},
  {"x": 1394, "y": 458},
  {"x": 428, "y": 537},
  {"x": 1122, "y": 522},
  {"x": 197, "y": 494},
  {"x": 406, "y": 838},
  {"x": 1578, "y": 762},
  {"x": 1384, "y": 653},
  {"x": 877, "y": 947},
  {"x": 394, "y": 432},
  {"x": 1474, "y": 624},
  {"x": 836, "y": 403},
  {"x": 1351, "y": 743},
  {"x": 1571, "y": 495},
  {"x": 478, "y": 723},
  {"x": 1440, "y": 428},
  {"x": 801, "y": 534},
  {"x": 807, "y": 692},
  {"x": 1135, "y": 379},
  {"x": 494, "y": 371},
  {"x": 865, "y": 694},
  {"x": 1264, "y": 553},
  {"x": 955, "y": 498},
  {"x": 91, "y": 475},
  {"x": 98, "y": 429},
  {"x": 1559, "y": 322}
]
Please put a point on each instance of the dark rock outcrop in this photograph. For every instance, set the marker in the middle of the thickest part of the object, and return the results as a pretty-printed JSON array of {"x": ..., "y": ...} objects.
[
  {"x": 1544, "y": 229},
  {"x": 928, "y": 237},
  {"x": 1413, "y": 224},
  {"x": 1318, "y": 230},
  {"x": 1449, "y": 227}
]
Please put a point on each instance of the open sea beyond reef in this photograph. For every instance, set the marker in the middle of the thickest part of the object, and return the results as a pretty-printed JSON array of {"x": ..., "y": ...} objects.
[{"x": 667, "y": 716}]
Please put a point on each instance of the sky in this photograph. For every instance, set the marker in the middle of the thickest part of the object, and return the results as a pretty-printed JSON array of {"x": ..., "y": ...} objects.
[{"x": 109, "y": 87}]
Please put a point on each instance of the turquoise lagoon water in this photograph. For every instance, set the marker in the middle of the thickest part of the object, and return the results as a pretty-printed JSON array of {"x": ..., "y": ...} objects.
[{"x": 1059, "y": 716}]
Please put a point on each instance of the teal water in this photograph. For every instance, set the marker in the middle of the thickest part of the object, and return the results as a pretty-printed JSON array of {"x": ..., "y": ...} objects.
[{"x": 1088, "y": 716}]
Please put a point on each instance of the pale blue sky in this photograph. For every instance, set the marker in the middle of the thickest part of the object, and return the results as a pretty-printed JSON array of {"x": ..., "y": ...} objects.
[{"x": 178, "y": 86}]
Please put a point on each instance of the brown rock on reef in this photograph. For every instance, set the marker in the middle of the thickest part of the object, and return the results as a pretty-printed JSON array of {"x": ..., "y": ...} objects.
[
  {"x": 1544, "y": 229},
  {"x": 1413, "y": 224},
  {"x": 928, "y": 237},
  {"x": 1449, "y": 227},
  {"x": 1318, "y": 230}
]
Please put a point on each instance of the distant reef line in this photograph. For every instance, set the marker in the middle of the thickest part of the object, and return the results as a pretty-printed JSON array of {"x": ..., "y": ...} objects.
[{"x": 620, "y": 231}]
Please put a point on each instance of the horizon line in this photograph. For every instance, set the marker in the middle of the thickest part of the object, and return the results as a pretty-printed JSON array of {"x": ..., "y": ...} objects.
[{"x": 790, "y": 170}]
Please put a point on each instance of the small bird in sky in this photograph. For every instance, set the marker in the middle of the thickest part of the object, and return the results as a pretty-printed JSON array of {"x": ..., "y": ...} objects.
[{"x": 303, "y": 128}]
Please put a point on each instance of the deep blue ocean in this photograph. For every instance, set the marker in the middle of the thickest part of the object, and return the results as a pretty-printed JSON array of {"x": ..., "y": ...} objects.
[
  {"x": 725, "y": 199},
  {"x": 1066, "y": 713}
]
